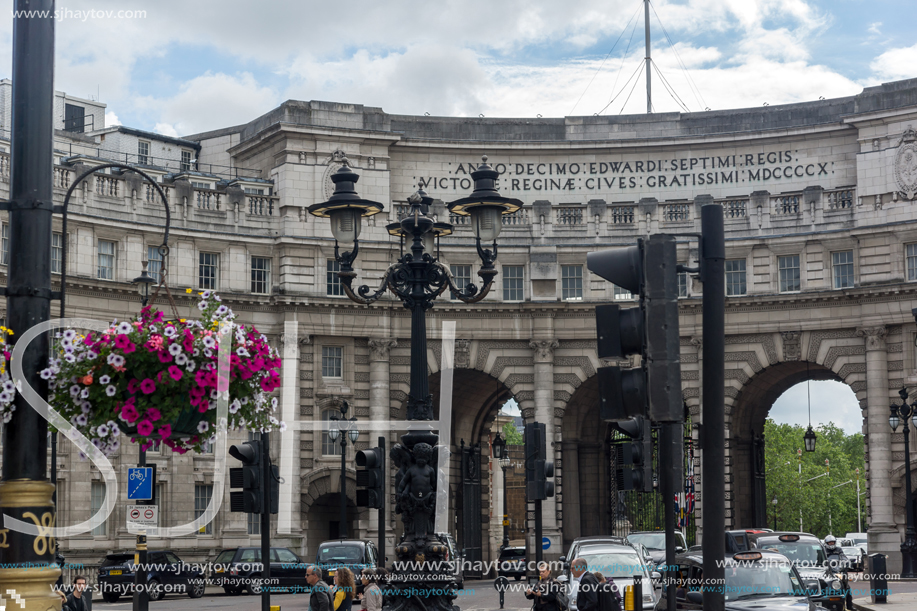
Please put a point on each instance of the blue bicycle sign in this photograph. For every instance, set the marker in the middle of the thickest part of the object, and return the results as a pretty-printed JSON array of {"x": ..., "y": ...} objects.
[{"x": 140, "y": 483}]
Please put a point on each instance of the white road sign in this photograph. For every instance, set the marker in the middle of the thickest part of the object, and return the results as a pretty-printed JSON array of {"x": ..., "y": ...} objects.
[{"x": 140, "y": 517}]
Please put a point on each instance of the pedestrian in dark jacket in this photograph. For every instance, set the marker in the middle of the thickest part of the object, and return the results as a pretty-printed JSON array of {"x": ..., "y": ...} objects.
[
  {"x": 587, "y": 595},
  {"x": 320, "y": 598},
  {"x": 609, "y": 597},
  {"x": 80, "y": 598},
  {"x": 544, "y": 593}
]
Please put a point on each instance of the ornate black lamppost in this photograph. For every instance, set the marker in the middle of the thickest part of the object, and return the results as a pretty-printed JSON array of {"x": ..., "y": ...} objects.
[
  {"x": 144, "y": 281},
  {"x": 417, "y": 278},
  {"x": 348, "y": 429},
  {"x": 501, "y": 455},
  {"x": 900, "y": 414}
]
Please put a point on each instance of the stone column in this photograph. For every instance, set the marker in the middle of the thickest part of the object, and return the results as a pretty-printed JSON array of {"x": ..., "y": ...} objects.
[
  {"x": 287, "y": 443},
  {"x": 379, "y": 411},
  {"x": 883, "y": 534},
  {"x": 543, "y": 350}
]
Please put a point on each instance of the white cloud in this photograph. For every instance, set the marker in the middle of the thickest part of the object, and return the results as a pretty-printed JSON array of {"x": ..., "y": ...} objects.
[
  {"x": 111, "y": 119},
  {"x": 166, "y": 130},
  {"x": 874, "y": 28},
  {"x": 896, "y": 64}
]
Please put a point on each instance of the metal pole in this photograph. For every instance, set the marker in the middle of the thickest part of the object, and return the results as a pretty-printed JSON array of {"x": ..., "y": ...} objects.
[
  {"x": 505, "y": 511},
  {"x": 54, "y": 467},
  {"x": 666, "y": 478},
  {"x": 343, "y": 528},
  {"x": 24, "y": 488},
  {"x": 909, "y": 546},
  {"x": 539, "y": 553},
  {"x": 382, "y": 505},
  {"x": 859, "y": 523},
  {"x": 141, "y": 599},
  {"x": 265, "y": 520},
  {"x": 649, "y": 58},
  {"x": 713, "y": 245}
]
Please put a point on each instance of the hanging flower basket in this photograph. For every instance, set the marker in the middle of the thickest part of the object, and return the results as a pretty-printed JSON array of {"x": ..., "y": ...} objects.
[{"x": 152, "y": 379}]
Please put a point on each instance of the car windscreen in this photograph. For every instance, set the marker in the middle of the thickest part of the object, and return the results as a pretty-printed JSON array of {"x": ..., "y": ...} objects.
[
  {"x": 613, "y": 563},
  {"x": 118, "y": 559},
  {"x": 511, "y": 554},
  {"x": 802, "y": 553},
  {"x": 761, "y": 580},
  {"x": 340, "y": 553},
  {"x": 851, "y": 552},
  {"x": 654, "y": 541},
  {"x": 225, "y": 556}
]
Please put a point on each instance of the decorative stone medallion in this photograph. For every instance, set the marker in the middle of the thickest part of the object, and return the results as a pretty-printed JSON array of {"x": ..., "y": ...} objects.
[
  {"x": 906, "y": 164},
  {"x": 336, "y": 160}
]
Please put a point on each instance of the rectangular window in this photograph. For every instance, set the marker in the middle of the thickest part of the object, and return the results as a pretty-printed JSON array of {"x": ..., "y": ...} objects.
[
  {"x": 253, "y": 191},
  {"x": 208, "y": 272},
  {"x": 155, "y": 262},
  {"x": 143, "y": 152},
  {"x": 161, "y": 502},
  {"x": 97, "y": 494},
  {"x": 202, "y": 185},
  {"x": 5, "y": 244},
  {"x": 911, "y": 252},
  {"x": 185, "y": 161},
  {"x": 622, "y": 294},
  {"x": 513, "y": 282},
  {"x": 683, "y": 284},
  {"x": 333, "y": 286},
  {"x": 57, "y": 252},
  {"x": 735, "y": 277},
  {"x": 329, "y": 447},
  {"x": 74, "y": 118},
  {"x": 261, "y": 275},
  {"x": 106, "y": 260},
  {"x": 461, "y": 276},
  {"x": 332, "y": 361},
  {"x": 202, "y": 494},
  {"x": 842, "y": 265},
  {"x": 254, "y": 523},
  {"x": 571, "y": 282},
  {"x": 788, "y": 267}
]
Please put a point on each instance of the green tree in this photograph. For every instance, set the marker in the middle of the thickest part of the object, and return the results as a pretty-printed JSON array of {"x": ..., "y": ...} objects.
[
  {"x": 787, "y": 475},
  {"x": 512, "y": 436}
]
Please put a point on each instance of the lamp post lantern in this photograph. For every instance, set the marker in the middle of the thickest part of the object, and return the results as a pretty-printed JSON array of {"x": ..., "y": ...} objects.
[
  {"x": 809, "y": 439},
  {"x": 900, "y": 414},
  {"x": 417, "y": 278},
  {"x": 143, "y": 282}
]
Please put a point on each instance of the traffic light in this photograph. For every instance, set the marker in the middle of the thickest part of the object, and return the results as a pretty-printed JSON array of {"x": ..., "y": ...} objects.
[
  {"x": 635, "y": 458},
  {"x": 538, "y": 469},
  {"x": 248, "y": 477},
  {"x": 650, "y": 330},
  {"x": 371, "y": 479}
]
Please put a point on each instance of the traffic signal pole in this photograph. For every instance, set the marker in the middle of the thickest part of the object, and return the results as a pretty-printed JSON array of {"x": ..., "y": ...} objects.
[
  {"x": 265, "y": 520},
  {"x": 713, "y": 276},
  {"x": 382, "y": 505},
  {"x": 667, "y": 474}
]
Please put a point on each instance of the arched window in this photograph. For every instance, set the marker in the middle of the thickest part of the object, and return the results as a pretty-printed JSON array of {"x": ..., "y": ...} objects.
[{"x": 330, "y": 448}]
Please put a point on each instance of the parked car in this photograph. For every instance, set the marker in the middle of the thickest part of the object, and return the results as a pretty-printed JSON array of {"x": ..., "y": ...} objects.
[
  {"x": 240, "y": 569},
  {"x": 857, "y": 538},
  {"x": 755, "y": 579},
  {"x": 856, "y": 555},
  {"x": 654, "y": 541},
  {"x": 166, "y": 574},
  {"x": 616, "y": 558},
  {"x": 351, "y": 553},
  {"x": 512, "y": 563}
]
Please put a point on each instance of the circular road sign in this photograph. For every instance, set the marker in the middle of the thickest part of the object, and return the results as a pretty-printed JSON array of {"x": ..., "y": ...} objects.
[{"x": 135, "y": 514}]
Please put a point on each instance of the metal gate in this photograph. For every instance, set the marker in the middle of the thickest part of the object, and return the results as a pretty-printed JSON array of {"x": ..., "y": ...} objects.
[
  {"x": 471, "y": 509},
  {"x": 760, "y": 492},
  {"x": 631, "y": 511}
]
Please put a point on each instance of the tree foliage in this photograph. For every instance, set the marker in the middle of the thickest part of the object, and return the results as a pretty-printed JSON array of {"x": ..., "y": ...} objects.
[
  {"x": 810, "y": 499},
  {"x": 512, "y": 436}
]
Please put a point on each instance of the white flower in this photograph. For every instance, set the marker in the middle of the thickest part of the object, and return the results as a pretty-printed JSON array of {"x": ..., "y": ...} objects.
[
  {"x": 69, "y": 335},
  {"x": 116, "y": 360},
  {"x": 180, "y": 358},
  {"x": 5, "y": 397},
  {"x": 84, "y": 394},
  {"x": 115, "y": 430},
  {"x": 169, "y": 332},
  {"x": 191, "y": 366},
  {"x": 85, "y": 407},
  {"x": 273, "y": 402},
  {"x": 81, "y": 356},
  {"x": 114, "y": 445},
  {"x": 175, "y": 349},
  {"x": 242, "y": 351},
  {"x": 283, "y": 426},
  {"x": 81, "y": 420},
  {"x": 206, "y": 294},
  {"x": 74, "y": 391},
  {"x": 124, "y": 327},
  {"x": 102, "y": 430},
  {"x": 66, "y": 344},
  {"x": 209, "y": 342},
  {"x": 216, "y": 298},
  {"x": 110, "y": 390},
  {"x": 47, "y": 374},
  {"x": 274, "y": 421},
  {"x": 244, "y": 400},
  {"x": 208, "y": 352},
  {"x": 197, "y": 352},
  {"x": 221, "y": 310},
  {"x": 91, "y": 355},
  {"x": 69, "y": 358},
  {"x": 202, "y": 306},
  {"x": 97, "y": 442},
  {"x": 203, "y": 426},
  {"x": 234, "y": 406},
  {"x": 152, "y": 328},
  {"x": 52, "y": 385},
  {"x": 105, "y": 379}
]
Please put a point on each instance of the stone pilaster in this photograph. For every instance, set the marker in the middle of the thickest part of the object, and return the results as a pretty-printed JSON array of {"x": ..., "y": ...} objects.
[
  {"x": 883, "y": 534},
  {"x": 380, "y": 410},
  {"x": 289, "y": 518},
  {"x": 543, "y": 352}
]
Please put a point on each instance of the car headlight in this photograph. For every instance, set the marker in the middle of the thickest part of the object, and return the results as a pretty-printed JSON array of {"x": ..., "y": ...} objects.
[
  {"x": 648, "y": 598},
  {"x": 836, "y": 584}
]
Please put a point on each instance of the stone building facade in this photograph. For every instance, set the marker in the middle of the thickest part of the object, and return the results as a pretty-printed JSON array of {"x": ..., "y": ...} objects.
[{"x": 821, "y": 241}]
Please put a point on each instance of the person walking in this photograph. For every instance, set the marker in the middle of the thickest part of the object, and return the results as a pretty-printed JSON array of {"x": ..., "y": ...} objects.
[
  {"x": 609, "y": 598},
  {"x": 585, "y": 586},
  {"x": 545, "y": 592},
  {"x": 344, "y": 589},
  {"x": 80, "y": 597},
  {"x": 372, "y": 594},
  {"x": 320, "y": 597}
]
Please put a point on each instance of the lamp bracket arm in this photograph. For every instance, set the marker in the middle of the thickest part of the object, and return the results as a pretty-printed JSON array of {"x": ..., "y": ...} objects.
[{"x": 362, "y": 296}]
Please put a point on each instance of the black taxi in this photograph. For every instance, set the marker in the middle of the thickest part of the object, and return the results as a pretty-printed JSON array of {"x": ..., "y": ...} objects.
[
  {"x": 754, "y": 579},
  {"x": 807, "y": 554}
]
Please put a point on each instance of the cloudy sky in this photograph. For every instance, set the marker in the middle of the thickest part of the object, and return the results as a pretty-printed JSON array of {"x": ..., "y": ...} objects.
[{"x": 184, "y": 67}]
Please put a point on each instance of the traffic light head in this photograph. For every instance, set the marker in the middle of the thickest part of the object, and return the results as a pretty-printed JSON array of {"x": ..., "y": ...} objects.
[
  {"x": 248, "y": 477},
  {"x": 371, "y": 478},
  {"x": 249, "y": 452},
  {"x": 619, "y": 332},
  {"x": 621, "y": 266},
  {"x": 622, "y": 393},
  {"x": 537, "y": 468}
]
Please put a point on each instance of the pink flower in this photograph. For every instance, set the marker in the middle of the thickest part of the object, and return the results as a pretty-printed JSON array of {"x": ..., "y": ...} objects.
[
  {"x": 256, "y": 364},
  {"x": 129, "y": 413},
  {"x": 164, "y": 356},
  {"x": 165, "y": 431},
  {"x": 244, "y": 372},
  {"x": 148, "y": 386},
  {"x": 153, "y": 414},
  {"x": 147, "y": 445},
  {"x": 175, "y": 372},
  {"x": 121, "y": 341},
  {"x": 205, "y": 405},
  {"x": 201, "y": 378},
  {"x": 197, "y": 392},
  {"x": 129, "y": 347},
  {"x": 145, "y": 427}
]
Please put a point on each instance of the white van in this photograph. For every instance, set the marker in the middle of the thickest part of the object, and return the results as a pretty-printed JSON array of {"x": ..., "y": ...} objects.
[{"x": 857, "y": 538}]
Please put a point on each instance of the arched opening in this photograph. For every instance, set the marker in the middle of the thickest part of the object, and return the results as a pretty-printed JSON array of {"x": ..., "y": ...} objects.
[{"x": 324, "y": 521}]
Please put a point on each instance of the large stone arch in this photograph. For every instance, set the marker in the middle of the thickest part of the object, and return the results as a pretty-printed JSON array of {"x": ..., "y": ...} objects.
[{"x": 320, "y": 485}]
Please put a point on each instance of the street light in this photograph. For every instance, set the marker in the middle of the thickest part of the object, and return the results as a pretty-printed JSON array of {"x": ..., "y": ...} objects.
[
  {"x": 501, "y": 455},
  {"x": 417, "y": 278},
  {"x": 809, "y": 439},
  {"x": 143, "y": 282},
  {"x": 901, "y": 414},
  {"x": 347, "y": 429},
  {"x": 775, "y": 512}
]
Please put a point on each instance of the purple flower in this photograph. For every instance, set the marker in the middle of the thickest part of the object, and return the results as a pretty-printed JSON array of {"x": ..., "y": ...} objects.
[
  {"x": 145, "y": 427},
  {"x": 153, "y": 414},
  {"x": 122, "y": 341},
  {"x": 175, "y": 372},
  {"x": 148, "y": 386}
]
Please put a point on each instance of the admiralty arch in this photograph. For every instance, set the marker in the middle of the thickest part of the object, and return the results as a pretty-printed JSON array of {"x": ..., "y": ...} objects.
[{"x": 821, "y": 228}]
